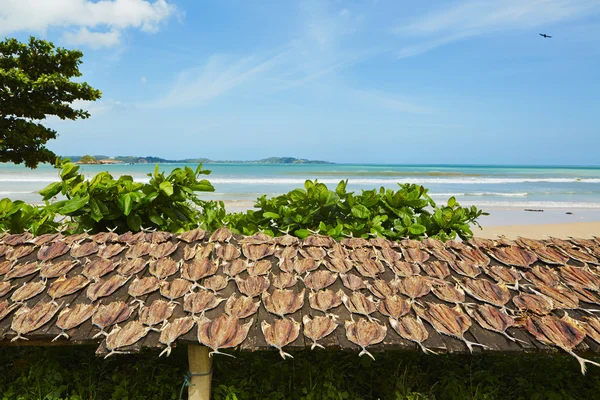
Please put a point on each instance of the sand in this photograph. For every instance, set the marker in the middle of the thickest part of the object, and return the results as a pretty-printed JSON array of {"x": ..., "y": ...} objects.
[{"x": 542, "y": 231}]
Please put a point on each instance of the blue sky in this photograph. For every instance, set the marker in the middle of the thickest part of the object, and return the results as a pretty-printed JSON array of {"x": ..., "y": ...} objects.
[{"x": 369, "y": 81}]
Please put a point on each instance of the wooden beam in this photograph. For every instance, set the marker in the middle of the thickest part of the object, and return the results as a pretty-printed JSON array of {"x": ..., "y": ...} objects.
[{"x": 201, "y": 372}]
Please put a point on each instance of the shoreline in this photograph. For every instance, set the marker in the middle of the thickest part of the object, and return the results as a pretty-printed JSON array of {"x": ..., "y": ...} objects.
[{"x": 541, "y": 231}]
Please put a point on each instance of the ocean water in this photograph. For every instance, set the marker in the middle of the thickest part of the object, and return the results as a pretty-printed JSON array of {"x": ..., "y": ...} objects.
[{"x": 485, "y": 186}]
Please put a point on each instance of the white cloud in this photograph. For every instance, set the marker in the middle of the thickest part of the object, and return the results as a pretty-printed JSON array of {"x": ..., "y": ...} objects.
[
  {"x": 481, "y": 17},
  {"x": 143, "y": 80},
  {"x": 94, "y": 23},
  {"x": 390, "y": 101}
]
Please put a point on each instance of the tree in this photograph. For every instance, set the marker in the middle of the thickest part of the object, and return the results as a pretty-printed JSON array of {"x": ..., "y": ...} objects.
[
  {"x": 87, "y": 159},
  {"x": 35, "y": 83}
]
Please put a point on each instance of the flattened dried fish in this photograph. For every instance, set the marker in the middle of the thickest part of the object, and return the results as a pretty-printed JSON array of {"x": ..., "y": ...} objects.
[
  {"x": 414, "y": 286},
  {"x": 370, "y": 268},
  {"x": 365, "y": 333},
  {"x": 255, "y": 252},
  {"x": 493, "y": 319},
  {"x": 449, "y": 293},
  {"x": 17, "y": 239},
  {"x": 159, "y": 237},
  {"x": 283, "y": 301},
  {"x": 535, "y": 303},
  {"x": 157, "y": 313},
  {"x": 234, "y": 267},
  {"x": 5, "y": 287},
  {"x": 580, "y": 255},
  {"x": 98, "y": 268},
  {"x": 281, "y": 333},
  {"x": 132, "y": 332},
  {"x": 21, "y": 270},
  {"x": 172, "y": 330},
  {"x": 561, "y": 296},
  {"x": 70, "y": 318},
  {"x": 358, "y": 303},
  {"x": 318, "y": 328},
  {"x": 174, "y": 289},
  {"x": 316, "y": 253},
  {"x": 412, "y": 329},
  {"x": 513, "y": 256},
  {"x": 105, "y": 237},
  {"x": 198, "y": 269},
  {"x": 241, "y": 307},
  {"x": 550, "y": 255},
  {"x": 110, "y": 314},
  {"x": 448, "y": 321},
  {"x": 286, "y": 240},
  {"x": 5, "y": 266},
  {"x": 6, "y": 308},
  {"x": 19, "y": 252},
  {"x": 192, "y": 236},
  {"x": 560, "y": 333},
  {"x": 320, "y": 279},
  {"x": 324, "y": 300},
  {"x": 138, "y": 250},
  {"x": 27, "y": 320},
  {"x": 252, "y": 286},
  {"x": 304, "y": 265},
  {"x": 436, "y": 269},
  {"x": 28, "y": 290},
  {"x": 579, "y": 277},
  {"x": 485, "y": 290},
  {"x": 54, "y": 270},
  {"x": 318, "y": 241},
  {"x": 64, "y": 286},
  {"x": 110, "y": 250},
  {"x": 261, "y": 267},
  {"x": 339, "y": 265},
  {"x": 52, "y": 251},
  {"x": 106, "y": 287},
  {"x": 404, "y": 269},
  {"x": 394, "y": 307},
  {"x": 382, "y": 289},
  {"x": 140, "y": 287},
  {"x": 222, "y": 332},
  {"x": 284, "y": 280},
  {"x": 46, "y": 238},
  {"x": 540, "y": 275},
  {"x": 221, "y": 235},
  {"x": 355, "y": 243},
  {"x": 162, "y": 250},
  {"x": 163, "y": 267},
  {"x": 215, "y": 283},
  {"x": 201, "y": 301},
  {"x": 228, "y": 252},
  {"x": 84, "y": 250},
  {"x": 466, "y": 268},
  {"x": 415, "y": 255},
  {"x": 132, "y": 267},
  {"x": 353, "y": 282}
]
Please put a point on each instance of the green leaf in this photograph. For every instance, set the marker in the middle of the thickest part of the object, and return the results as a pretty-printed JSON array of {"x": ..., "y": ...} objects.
[
  {"x": 167, "y": 188},
  {"x": 302, "y": 233},
  {"x": 134, "y": 222},
  {"x": 270, "y": 215},
  {"x": 125, "y": 203},
  {"x": 74, "y": 205},
  {"x": 360, "y": 211},
  {"x": 451, "y": 201},
  {"x": 51, "y": 190},
  {"x": 417, "y": 229}
]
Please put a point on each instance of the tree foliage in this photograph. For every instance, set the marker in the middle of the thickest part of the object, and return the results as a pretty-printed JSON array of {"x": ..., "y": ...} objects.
[
  {"x": 171, "y": 203},
  {"x": 35, "y": 83},
  {"x": 87, "y": 159}
]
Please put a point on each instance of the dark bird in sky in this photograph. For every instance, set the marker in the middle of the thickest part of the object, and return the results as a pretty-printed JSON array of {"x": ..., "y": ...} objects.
[{"x": 545, "y": 36}]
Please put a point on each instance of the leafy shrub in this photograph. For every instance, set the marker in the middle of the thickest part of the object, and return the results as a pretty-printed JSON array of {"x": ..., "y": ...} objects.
[
  {"x": 170, "y": 203},
  {"x": 407, "y": 212}
]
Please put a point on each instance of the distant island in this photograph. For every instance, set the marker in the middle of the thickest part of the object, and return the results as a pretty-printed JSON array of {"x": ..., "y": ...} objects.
[{"x": 100, "y": 159}]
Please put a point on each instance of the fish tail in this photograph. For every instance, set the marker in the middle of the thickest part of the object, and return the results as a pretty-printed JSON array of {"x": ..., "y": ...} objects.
[{"x": 364, "y": 351}]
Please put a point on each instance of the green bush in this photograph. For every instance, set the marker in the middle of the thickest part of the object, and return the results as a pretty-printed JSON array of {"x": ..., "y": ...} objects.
[{"x": 171, "y": 203}]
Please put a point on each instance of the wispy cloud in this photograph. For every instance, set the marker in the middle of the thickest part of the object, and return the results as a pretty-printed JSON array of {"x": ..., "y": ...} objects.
[
  {"x": 482, "y": 17},
  {"x": 392, "y": 102}
]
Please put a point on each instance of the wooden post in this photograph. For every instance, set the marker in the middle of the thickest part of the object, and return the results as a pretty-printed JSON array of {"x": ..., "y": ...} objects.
[{"x": 201, "y": 369}]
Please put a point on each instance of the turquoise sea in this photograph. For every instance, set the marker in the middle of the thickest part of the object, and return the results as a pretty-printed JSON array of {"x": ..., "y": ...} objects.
[{"x": 485, "y": 186}]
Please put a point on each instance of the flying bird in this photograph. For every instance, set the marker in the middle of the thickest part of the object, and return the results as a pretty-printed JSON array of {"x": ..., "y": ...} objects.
[{"x": 545, "y": 36}]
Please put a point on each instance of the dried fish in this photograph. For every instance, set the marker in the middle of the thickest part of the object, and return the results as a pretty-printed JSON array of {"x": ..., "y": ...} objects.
[
  {"x": 316, "y": 253},
  {"x": 388, "y": 256},
  {"x": 261, "y": 267},
  {"x": 241, "y": 307},
  {"x": 561, "y": 296},
  {"x": 98, "y": 268},
  {"x": 382, "y": 289},
  {"x": 28, "y": 290},
  {"x": 394, "y": 307},
  {"x": 5, "y": 287},
  {"x": 492, "y": 319},
  {"x": 283, "y": 301},
  {"x": 535, "y": 303},
  {"x": 52, "y": 251},
  {"x": 353, "y": 282},
  {"x": 110, "y": 314},
  {"x": 531, "y": 244},
  {"x": 283, "y": 280},
  {"x": 452, "y": 322},
  {"x": 131, "y": 238},
  {"x": 132, "y": 332},
  {"x": 318, "y": 328},
  {"x": 54, "y": 270},
  {"x": 6, "y": 308},
  {"x": 205, "y": 252},
  {"x": 255, "y": 252},
  {"x": 415, "y": 255},
  {"x": 46, "y": 238},
  {"x": 252, "y": 286},
  {"x": 228, "y": 252},
  {"x": 19, "y": 252},
  {"x": 192, "y": 236},
  {"x": 404, "y": 269},
  {"x": 17, "y": 239},
  {"x": 318, "y": 241},
  {"x": 221, "y": 235},
  {"x": 414, "y": 286},
  {"x": 450, "y": 293},
  {"x": 157, "y": 237},
  {"x": 162, "y": 250},
  {"x": 172, "y": 330},
  {"x": 324, "y": 300},
  {"x": 84, "y": 250},
  {"x": 201, "y": 301},
  {"x": 480, "y": 243},
  {"x": 436, "y": 269},
  {"x": 304, "y": 265},
  {"x": 138, "y": 250},
  {"x": 27, "y": 319},
  {"x": 318, "y": 280},
  {"x": 198, "y": 269},
  {"x": 485, "y": 290},
  {"x": 339, "y": 265},
  {"x": 473, "y": 256},
  {"x": 215, "y": 283},
  {"x": 222, "y": 332},
  {"x": 110, "y": 250},
  {"x": 365, "y": 333},
  {"x": 286, "y": 240},
  {"x": 157, "y": 313},
  {"x": 281, "y": 333},
  {"x": 163, "y": 267},
  {"x": 465, "y": 268},
  {"x": 21, "y": 270},
  {"x": 106, "y": 287},
  {"x": 591, "y": 326},
  {"x": 70, "y": 318},
  {"x": 286, "y": 252},
  {"x": 579, "y": 255},
  {"x": 132, "y": 267},
  {"x": 505, "y": 275},
  {"x": 541, "y": 275},
  {"x": 234, "y": 267},
  {"x": 358, "y": 303},
  {"x": 370, "y": 268},
  {"x": 64, "y": 286},
  {"x": 174, "y": 289},
  {"x": 513, "y": 256},
  {"x": 560, "y": 333},
  {"x": 412, "y": 329},
  {"x": 287, "y": 265},
  {"x": 355, "y": 243},
  {"x": 550, "y": 255},
  {"x": 105, "y": 237},
  {"x": 579, "y": 277},
  {"x": 5, "y": 266}
]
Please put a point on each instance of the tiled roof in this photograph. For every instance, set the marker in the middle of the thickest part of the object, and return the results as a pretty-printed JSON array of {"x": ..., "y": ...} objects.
[{"x": 227, "y": 291}]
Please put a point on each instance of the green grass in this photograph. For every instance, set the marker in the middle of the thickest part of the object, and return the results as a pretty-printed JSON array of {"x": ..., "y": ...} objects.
[{"x": 75, "y": 373}]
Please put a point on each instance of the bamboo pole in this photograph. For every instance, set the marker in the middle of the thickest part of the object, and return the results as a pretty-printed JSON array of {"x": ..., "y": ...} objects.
[{"x": 201, "y": 369}]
